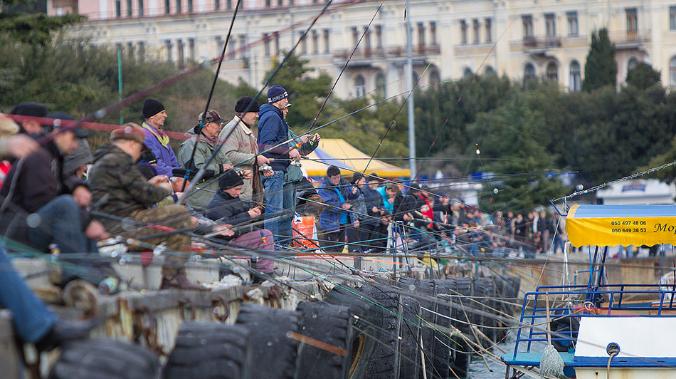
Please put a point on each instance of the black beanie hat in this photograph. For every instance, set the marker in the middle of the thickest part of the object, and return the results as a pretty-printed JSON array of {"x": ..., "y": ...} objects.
[
  {"x": 243, "y": 105},
  {"x": 151, "y": 107},
  {"x": 276, "y": 93},
  {"x": 230, "y": 179},
  {"x": 332, "y": 171},
  {"x": 356, "y": 177},
  {"x": 30, "y": 109}
]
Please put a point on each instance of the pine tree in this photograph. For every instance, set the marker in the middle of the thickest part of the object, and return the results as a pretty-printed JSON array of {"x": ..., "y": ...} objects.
[{"x": 601, "y": 68}]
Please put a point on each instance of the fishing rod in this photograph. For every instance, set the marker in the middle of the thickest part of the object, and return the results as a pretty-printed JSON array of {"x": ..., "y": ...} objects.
[{"x": 190, "y": 165}]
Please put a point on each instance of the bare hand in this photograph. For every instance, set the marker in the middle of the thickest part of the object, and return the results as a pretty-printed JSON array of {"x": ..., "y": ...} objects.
[
  {"x": 227, "y": 166},
  {"x": 304, "y": 138},
  {"x": 346, "y": 206},
  {"x": 354, "y": 190},
  {"x": 157, "y": 180},
  {"x": 21, "y": 145},
  {"x": 247, "y": 174},
  {"x": 96, "y": 231},
  {"x": 407, "y": 217},
  {"x": 294, "y": 154},
  {"x": 356, "y": 224},
  {"x": 268, "y": 173},
  {"x": 82, "y": 196},
  {"x": 254, "y": 212},
  {"x": 261, "y": 160},
  {"x": 224, "y": 230},
  {"x": 317, "y": 137}
]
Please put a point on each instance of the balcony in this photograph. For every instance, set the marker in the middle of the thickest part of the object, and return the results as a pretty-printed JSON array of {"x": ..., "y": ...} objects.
[
  {"x": 364, "y": 57},
  {"x": 630, "y": 39}
]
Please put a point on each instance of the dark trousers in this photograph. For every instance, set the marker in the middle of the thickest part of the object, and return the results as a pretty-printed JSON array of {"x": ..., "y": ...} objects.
[{"x": 332, "y": 241}]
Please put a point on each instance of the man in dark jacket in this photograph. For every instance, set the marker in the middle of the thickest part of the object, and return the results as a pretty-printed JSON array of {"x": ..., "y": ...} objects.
[
  {"x": 372, "y": 229},
  {"x": 121, "y": 191},
  {"x": 226, "y": 207},
  {"x": 273, "y": 134},
  {"x": 42, "y": 206},
  {"x": 334, "y": 218}
]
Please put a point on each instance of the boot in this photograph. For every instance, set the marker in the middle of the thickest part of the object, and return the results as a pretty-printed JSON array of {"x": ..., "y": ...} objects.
[
  {"x": 65, "y": 331},
  {"x": 179, "y": 281}
]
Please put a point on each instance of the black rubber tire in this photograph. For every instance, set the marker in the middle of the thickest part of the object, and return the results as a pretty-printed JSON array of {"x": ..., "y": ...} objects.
[
  {"x": 443, "y": 358},
  {"x": 275, "y": 353},
  {"x": 425, "y": 287},
  {"x": 365, "y": 325},
  {"x": 410, "y": 329},
  {"x": 330, "y": 324},
  {"x": 382, "y": 362},
  {"x": 210, "y": 350},
  {"x": 460, "y": 349},
  {"x": 105, "y": 359},
  {"x": 484, "y": 292}
]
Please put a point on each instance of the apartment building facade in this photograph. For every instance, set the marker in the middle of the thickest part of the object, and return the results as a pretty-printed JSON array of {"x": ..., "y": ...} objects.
[{"x": 453, "y": 38}]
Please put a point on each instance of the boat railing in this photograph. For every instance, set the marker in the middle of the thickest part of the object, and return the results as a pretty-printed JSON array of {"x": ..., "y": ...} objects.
[{"x": 569, "y": 303}]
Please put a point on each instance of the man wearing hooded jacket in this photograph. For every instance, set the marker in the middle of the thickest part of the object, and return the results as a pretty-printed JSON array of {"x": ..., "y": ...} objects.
[{"x": 273, "y": 136}]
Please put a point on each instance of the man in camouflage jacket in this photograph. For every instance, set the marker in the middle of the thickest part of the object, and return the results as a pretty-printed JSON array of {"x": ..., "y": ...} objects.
[{"x": 120, "y": 190}]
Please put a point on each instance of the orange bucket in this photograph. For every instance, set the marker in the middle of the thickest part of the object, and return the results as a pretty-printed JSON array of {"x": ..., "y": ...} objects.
[{"x": 304, "y": 235}]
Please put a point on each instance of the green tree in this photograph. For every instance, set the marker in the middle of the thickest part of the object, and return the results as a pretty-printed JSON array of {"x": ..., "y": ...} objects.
[
  {"x": 643, "y": 76},
  {"x": 600, "y": 69}
]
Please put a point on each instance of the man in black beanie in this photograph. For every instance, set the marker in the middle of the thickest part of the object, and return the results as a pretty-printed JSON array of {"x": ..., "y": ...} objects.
[
  {"x": 30, "y": 127},
  {"x": 240, "y": 146},
  {"x": 155, "y": 115}
]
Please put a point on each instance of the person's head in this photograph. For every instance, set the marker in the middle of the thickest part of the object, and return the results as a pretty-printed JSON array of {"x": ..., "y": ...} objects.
[
  {"x": 510, "y": 214},
  {"x": 247, "y": 110},
  {"x": 445, "y": 200},
  {"x": 129, "y": 138},
  {"x": 543, "y": 214},
  {"x": 392, "y": 189},
  {"x": 212, "y": 124},
  {"x": 154, "y": 113},
  {"x": 30, "y": 127},
  {"x": 519, "y": 217},
  {"x": 358, "y": 179},
  {"x": 278, "y": 97},
  {"x": 333, "y": 173},
  {"x": 67, "y": 139},
  {"x": 373, "y": 182},
  {"x": 75, "y": 164},
  {"x": 231, "y": 183}
]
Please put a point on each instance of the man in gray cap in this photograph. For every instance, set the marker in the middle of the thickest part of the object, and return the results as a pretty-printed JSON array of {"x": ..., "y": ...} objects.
[{"x": 240, "y": 146}]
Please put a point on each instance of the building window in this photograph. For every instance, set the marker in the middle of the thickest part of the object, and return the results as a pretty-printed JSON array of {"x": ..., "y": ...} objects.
[
  {"x": 359, "y": 86},
  {"x": 477, "y": 31},
  {"x": 190, "y": 8},
  {"x": 167, "y": 6},
  {"x": 303, "y": 43},
  {"x": 168, "y": 48},
  {"x": 219, "y": 44},
  {"x": 379, "y": 37},
  {"x": 280, "y": 3},
  {"x": 573, "y": 27},
  {"x": 141, "y": 8},
  {"x": 268, "y": 3},
  {"x": 528, "y": 72},
  {"x": 367, "y": 40},
  {"x": 489, "y": 29},
  {"x": 315, "y": 42},
  {"x": 232, "y": 48},
  {"x": 527, "y": 21},
  {"x": 552, "y": 72},
  {"x": 489, "y": 71},
  {"x": 463, "y": 32},
  {"x": 141, "y": 51},
  {"x": 467, "y": 72},
  {"x": 433, "y": 33},
  {"x": 633, "y": 62},
  {"x": 381, "y": 84},
  {"x": 632, "y": 22},
  {"x": 118, "y": 8},
  {"x": 228, "y": 4},
  {"x": 181, "y": 54},
  {"x": 421, "y": 36},
  {"x": 672, "y": 72},
  {"x": 242, "y": 44},
  {"x": 575, "y": 79},
  {"x": 217, "y": 5},
  {"x": 355, "y": 36},
  {"x": 178, "y": 7},
  {"x": 435, "y": 78},
  {"x": 266, "y": 44},
  {"x": 327, "y": 46},
  {"x": 130, "y": 51},
  {"x": 276, "y": 36},
  {"x": 550, "y": 25},
  {"x": 129, "y": 8},
  {"x": 672, "y": 17},
  {"x": 416, "y": 79},
  {"x": 191, "y": 49}
]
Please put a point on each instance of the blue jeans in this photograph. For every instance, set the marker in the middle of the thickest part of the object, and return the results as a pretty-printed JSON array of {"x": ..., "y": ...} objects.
[
  {"x": 60, "y": 223},
  {"x": 285, "y": 229},
  {"x": 273, "y": 187},
  {"x": 31, "y": 318}
]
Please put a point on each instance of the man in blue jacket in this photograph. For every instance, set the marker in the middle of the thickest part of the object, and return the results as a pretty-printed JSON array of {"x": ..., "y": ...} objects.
[
  {"x": 273, "y": 136},
  {"x": 335, "y": 217}
]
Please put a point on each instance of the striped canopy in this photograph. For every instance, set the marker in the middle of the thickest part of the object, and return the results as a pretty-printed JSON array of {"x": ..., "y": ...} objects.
[
  {"x": 339, "y": 153},
  {"x": 614, "y": 225}
]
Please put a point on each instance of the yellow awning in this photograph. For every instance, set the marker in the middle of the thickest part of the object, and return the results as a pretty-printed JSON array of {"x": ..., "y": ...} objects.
[
  {"x": 615, "y": 225},
  {"x": 339, "y": 153}
]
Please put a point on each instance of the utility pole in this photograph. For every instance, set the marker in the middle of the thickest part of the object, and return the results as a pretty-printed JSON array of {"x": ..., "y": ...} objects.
[
  {"x": 119, "y": 79},
  {"x": 409, "y": 85}
]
